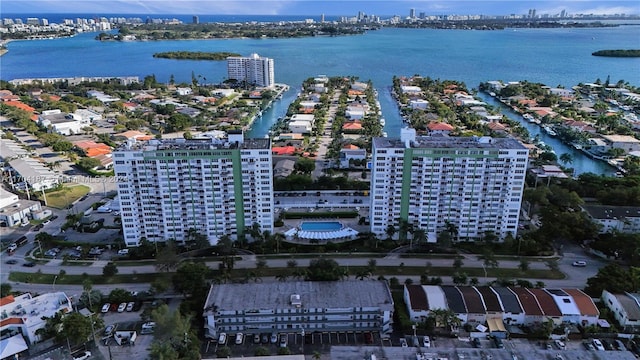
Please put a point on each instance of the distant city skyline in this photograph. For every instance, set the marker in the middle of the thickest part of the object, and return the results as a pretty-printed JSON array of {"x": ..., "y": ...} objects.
[{"x": 316, "y": 7}]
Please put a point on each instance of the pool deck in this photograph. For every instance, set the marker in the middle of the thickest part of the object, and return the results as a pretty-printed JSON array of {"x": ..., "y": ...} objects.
[{"x": 295, "y": 223}]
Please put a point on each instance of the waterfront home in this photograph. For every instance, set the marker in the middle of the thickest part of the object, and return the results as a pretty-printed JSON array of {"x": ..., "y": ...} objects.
[
  {"x": 356, "y": 112},
  {"x": 352, "y": 127},
  {"x": 91, "y": 149},
  {"x": 497, "y": 127},
  {"x": 624, "y": 142},
  {"x": 311, "y": 105},
  {"x": 440, "y": 128},
  {"x": 625, "y": 219},
  {"x": 62, "y": 123},
  {"x": 547, "y": 172},
  {"x": 411, "y": 90},
  {"x": 358, "y": 85},
  {"x": 420, "y": 104},
  {"x": 561, "y": 92},
  {"x": 579, "y": 126}
]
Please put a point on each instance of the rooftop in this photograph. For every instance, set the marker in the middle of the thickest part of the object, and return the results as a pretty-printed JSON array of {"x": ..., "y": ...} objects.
[
  {"x": 612, "y": 212},
  {"x": 491, "y": 302},
  {"x": 454, "y": 299},
  {"x": 546, "y": 302},
  {"x": 439, "y": 142},
  {"x": 630, "y": 306},
  {"x": 417, "y": 297},
  {"x": 584, "y": 302},
  {"x": 529, "y": 303},
  {"x": 620, "y": 138},
  {"x": 313, "y": 294},
  {"x": 196, "y": 144},
  {"x": 472, "y": 299}
]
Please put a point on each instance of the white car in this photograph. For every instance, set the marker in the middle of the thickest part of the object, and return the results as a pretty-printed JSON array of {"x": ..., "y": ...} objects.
[
  {"x": 426, "y": 342},
  {"x": 403, "y": 342},
  {"x": 239, "y": 338},
  {"x": 560, "y": 344},
  {"x": 130, "y": 306},
  {"x": 123, "y": 251},
  {"x": 122, "y": 307},
  {"x": 105, "y": 308},
  {"x": 579, "y": 263},
  {"x": 222, "y": 338},
  {"x": 598, "y": 345},
  {"x": 84, "y": 356}
]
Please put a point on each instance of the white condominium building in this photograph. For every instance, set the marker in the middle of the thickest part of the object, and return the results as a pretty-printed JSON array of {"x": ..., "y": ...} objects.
[
  {"x": 255, "y": 70},
  {"x": 216, "y": 187},
  {"x": 474, "y": 184}
]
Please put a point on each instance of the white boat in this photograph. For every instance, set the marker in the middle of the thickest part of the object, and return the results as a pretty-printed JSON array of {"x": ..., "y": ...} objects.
[
  {"x": 549, "y": 130},
  {"x": 492, "y": 94},
  {"x": 529, "y": 117},
  {"x": 382, "y": 121}
]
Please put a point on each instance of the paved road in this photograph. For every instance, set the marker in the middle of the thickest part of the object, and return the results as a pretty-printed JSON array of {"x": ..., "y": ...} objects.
[{"x": 576, "y": 277}]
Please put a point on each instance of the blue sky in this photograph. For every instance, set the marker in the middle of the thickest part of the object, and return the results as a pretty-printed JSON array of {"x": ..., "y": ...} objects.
[{"x": 314, "y": 7}]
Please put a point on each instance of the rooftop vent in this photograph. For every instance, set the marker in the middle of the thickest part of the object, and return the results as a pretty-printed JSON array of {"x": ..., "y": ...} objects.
[{"x": 295, "y": 300}]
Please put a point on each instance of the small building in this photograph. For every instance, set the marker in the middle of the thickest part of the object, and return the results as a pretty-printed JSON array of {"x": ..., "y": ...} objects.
[
  {"x": 439, "y": 128},
  {"x": 625, "y": 309},
  {"x": 62, "y": 123},
  {"x": 34, "y": 174},
  {"x": 476, "y": 313},
  {"x": 296, "y": 306},
  {"x": 411, "y": 90},
  {"x": 417, "y": 304},
  {"x": 351, "y": 152},
  {"x": 283, "y": 168},
  {"x": 549, "y": 308},
  {"x": 300, "y": 126},
  {"x": 14, "y": 211},
  {"x": 184, "y": 91},
  {"x": 625, "y": 219},
  {"x": 455, "y": 301},
  {"x": 24, "y": 314}
]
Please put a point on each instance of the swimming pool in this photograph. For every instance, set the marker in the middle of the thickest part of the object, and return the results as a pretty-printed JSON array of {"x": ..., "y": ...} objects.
[{"x": 320, "y": 226}]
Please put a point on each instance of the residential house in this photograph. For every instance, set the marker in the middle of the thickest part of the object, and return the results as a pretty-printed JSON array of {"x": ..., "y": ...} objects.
[
  {"x": 566, "y": 304},
  {"x": 589, "y": 312},
  {"x": 513, "y": 311},
  {"x": 300, "y": 126},
  {"x": 455, "y": 301},
  {"x": 411, "y": 90},
  {"x": 549, "y": 308},
  {"x": 351, "y": 152},
  {"x": 86, "y": 115},
  {"x": 30, "y": 172},
  {"x": 624, "y": 142},
  {"x": 530, "y": 306},
  {"x": 436, "y": 128},
  {"x": 62, "y": 123},
  {"x": 14, "y": 211},
  {"x": 283, "y": 168},
  {"x": 625, "y": 219},
  {"x": 352, "y": 127},
  {"x": 418, "y": 104},
  {"x": 417, "y": 303},
  {"x": 476, "y": 312}
]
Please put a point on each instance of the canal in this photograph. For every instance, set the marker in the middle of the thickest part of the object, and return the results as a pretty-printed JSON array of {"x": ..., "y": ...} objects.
[{"x": 581, "y": 162}]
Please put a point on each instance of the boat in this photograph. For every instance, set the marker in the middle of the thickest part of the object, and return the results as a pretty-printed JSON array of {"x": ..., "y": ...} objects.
[
  {"x": 492, "y": 94},
  {"x": 549, "y": 130},
  {"x": 382, "y": 121},
  {"x": 528, "y": 117}
]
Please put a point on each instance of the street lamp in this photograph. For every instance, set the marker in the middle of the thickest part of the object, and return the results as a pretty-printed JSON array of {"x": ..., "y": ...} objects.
[{"x": 53, "y": 286}]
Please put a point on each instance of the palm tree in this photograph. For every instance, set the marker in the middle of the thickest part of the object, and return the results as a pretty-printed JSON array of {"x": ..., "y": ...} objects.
[
  {"x": 566, "y": 158},
  {"x": 391, "y": 230}
]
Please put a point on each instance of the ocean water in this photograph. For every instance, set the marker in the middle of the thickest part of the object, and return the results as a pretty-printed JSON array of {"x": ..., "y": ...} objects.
[{"x": 550, "y": 56}]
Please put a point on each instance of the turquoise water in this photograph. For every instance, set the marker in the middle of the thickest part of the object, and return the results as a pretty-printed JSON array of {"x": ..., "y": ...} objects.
[
  {"x": 550, "y": 56},
  {"x": 321, "y": 226}
]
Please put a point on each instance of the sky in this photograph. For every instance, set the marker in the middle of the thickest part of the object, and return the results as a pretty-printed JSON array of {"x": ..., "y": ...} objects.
[{"x": 314, "y": 7}]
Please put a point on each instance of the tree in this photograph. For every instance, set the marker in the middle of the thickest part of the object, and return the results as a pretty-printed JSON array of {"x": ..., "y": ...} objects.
[
  {"x": 304, "y": 165},
  {"x": 88, "y": 163},
  {"x": 167, "y": 259},
  {"x": 460, "y": 278},
  {"x": 566, "y": 158},
  {"x": 110, "y": 269},
  {"x": 615, "y": 279},
  {"x": 292, "y": 264},
  {"x": 490, "y": 259},
  {"x": 390, "y": 231},
  {"x": 76, "y": 328},
  {"x": 324, "y": 270},
  {"x": 457, "y": 263},
  {"x": 5, "y": 289},
  {"x": 524, "y": 265},
  {"x": 175, "y": 329},
  {"x": 190, "y": 279}
]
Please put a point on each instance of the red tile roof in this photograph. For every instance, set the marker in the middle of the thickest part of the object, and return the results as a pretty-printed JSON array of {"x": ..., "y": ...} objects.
[
  {"x": 350, "y": 147},
  {"x": 352, "y": 126},
  {"x": 546, "y": 302},
  {"x": 284, "y": 150},
  {"x": 417, "y": 297},
  {"x": 6, "y": 300},
  {"x": 20, "y": 105},
  {"x": 584, "y": 302},
  {"x": 439, "y": 126}
]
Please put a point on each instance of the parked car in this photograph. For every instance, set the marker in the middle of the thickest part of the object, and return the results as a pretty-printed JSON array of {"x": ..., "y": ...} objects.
[
  {"x": 256, "y": 338},
  {"x": 403, "y": 342},
  {"x": 560, "y": 344},
  {"x": 222, "y": 338},
  {"x": 29, "y": 264},
  {"x": 283, "y": 340},
  {"x": 122, "y": 307},
  {"x": 619, "y": 345},
  {"x": 130, "y": 306},
  {"x": 579, "y": 263},
  {"x": 265, "y": 338},
  {"x": 239, "y": 338},
  {"x": 426, "y": 342},
  {"x": 11, "y": 262},
  {"x": 54, "y": 217},
  {"x": 105, "y": 308},
  {"x": 498, "y": 342},
  {"x": 476, "y": 342},
  {"x": 123, "y": 252},
  {"x": 588, "y": 346},
  {"x": 274, "y": 338},
  {"x": 85, "y": 355},
  {"x": 597, "y": 344},
  {"x": 109, "y": 330}
]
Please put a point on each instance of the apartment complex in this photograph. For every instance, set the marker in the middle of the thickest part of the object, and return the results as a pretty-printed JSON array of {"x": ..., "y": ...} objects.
[
  {"x": 474, "y": 184},
  {"x": 297, "y": 306},
  {"x": 214, "y": 186},
  {"x": 255, "y": 70}
]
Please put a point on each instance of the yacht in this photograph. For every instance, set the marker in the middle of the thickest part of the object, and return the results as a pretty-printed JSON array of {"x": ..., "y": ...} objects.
[
  {"x": 549, "y": 130},
  {"x": 382, "y": 122}
]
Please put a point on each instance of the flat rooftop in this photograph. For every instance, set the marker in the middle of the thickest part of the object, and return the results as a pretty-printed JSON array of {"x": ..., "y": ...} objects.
[
  {"x": 450, "y": 142},
  {"x": 313, "y": 294},
  {"x": 196, "y": 144}
]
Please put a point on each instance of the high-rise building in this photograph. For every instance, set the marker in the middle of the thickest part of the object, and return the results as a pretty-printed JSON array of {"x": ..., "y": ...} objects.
[
  {"x": 412, "y": 13},
  {"x": 255, "y": 70},
  {"x": 439, "y": 183},
  {"x": 171, "y": 187},
  {"x": 196, "y": 19}
]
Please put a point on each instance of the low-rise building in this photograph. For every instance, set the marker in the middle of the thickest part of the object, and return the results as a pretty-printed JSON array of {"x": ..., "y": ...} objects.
[
  {"x": 625, "y": 219},
  {"x": 625, "y": 309},
  {"x": 589, "y": 312},
  {"x": 300, "y": 127},
  {"x": 32, "y": 173},
  {"x": 351, "y": 152},
  {"x": 14, "y": 211},
  {"x": 291, "y": 307},
  {"x": 24, "y": 314},
  {"x": 513, "y": 311},
  {"x": 418, "y": 104},
  {"x": 283, "y": 168},
  {"x": 566, "y": 304},
  {"x": 624, "y": 142},
  {"x": 62, "y": 123}
]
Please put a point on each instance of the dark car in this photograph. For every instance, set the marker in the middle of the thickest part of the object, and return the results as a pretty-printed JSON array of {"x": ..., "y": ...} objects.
[
  {"x": 38, "y": 227},
  {"x": 29, "y": 264},
  {"x": 265, "y": 338},
  {"x": 12, "y": 262},
  {"x": 54, "y": 217},
  {"x": 476, "y": 342}
]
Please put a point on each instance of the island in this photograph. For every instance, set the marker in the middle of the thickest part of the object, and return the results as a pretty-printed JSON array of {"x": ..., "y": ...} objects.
[
  {"x": 617, "y": 53},
  {"x": 194, "y": 55}
]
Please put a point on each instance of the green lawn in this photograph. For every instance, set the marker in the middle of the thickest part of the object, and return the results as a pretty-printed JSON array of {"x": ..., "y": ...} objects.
[
  {"x": 397, "y": 271},
  {"x": 60, "y": 199}
]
